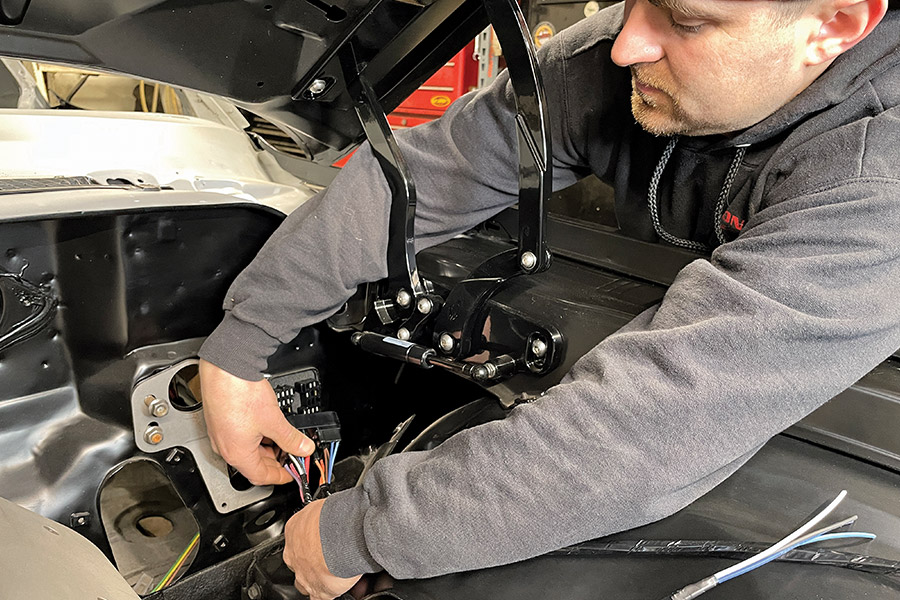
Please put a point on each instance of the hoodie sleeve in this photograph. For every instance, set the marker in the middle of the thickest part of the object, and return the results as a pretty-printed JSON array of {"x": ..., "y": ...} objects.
[
  {"x": 803, "y": 303},
  {"x": 338, "y": 239}
]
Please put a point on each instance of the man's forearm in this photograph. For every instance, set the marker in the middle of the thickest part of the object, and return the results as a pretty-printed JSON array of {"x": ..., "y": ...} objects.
[{"x": 658, "y": 413}]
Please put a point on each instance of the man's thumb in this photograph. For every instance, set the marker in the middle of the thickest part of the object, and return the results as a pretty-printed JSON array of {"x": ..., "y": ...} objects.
[{"x": 292, "y": 441}]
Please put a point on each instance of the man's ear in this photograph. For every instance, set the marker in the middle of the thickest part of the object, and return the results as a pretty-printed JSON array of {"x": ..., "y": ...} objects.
[{"x": 844, "y": 23}]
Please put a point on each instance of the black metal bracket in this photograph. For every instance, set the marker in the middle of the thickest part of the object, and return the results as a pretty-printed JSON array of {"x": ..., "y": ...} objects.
[
  {"x": 458, "y": 330},
  {"x": 404, "y": 295},
  {"x": 403, "y": 287}
]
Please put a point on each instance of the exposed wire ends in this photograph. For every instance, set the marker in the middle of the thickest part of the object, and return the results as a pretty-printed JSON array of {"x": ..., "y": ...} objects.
[
  {"x": 170, "y": 575},
  {"x": 766, "y": 557},
  {"x": 726, "y": 574},
  {"x": 797, "y": 538}
]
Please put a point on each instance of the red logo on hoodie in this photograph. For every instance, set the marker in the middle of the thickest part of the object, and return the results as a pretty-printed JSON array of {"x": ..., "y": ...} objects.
[{"x": 732, "y": 221}]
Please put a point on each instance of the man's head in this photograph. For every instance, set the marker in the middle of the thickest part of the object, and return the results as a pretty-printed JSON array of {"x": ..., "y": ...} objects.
[{"x": 702, "y": 67}]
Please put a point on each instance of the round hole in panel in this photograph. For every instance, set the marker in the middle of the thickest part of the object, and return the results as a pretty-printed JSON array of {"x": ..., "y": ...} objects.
[{"x": 184, "y": 389}]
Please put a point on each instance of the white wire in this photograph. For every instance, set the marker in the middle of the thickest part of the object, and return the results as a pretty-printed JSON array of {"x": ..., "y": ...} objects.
[
  {"x": 726, "y": 574},
  {"x": 759, "y": 560}
]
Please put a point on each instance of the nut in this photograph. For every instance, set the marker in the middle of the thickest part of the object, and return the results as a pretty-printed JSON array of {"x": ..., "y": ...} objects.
[
  {"x": 153, "y": 435},
  {"x": 539, "y": 348}
]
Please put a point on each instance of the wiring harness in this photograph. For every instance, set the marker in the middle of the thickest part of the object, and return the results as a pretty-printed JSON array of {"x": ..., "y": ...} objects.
[
  {"x": 800, "y": 537},
  {"x": 300, "y": 399}
]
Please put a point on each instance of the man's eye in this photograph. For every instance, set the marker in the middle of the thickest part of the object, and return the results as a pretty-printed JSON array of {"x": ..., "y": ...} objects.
[{"x": 685, "y": 27}]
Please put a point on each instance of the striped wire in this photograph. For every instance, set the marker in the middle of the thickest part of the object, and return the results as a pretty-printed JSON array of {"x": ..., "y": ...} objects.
[{"x": 178, "y": 564}]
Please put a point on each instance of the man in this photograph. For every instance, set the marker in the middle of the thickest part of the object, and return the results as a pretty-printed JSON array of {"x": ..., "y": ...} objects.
[{"x": 766, "y": 132}]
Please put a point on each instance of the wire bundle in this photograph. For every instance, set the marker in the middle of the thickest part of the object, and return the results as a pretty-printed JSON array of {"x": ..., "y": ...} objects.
[
  {"x": 800, "y": 537},
  {"x": 299, "y": 469},
  {"x": 170, "y": 575},
  {"x": 326, "y": 463}
]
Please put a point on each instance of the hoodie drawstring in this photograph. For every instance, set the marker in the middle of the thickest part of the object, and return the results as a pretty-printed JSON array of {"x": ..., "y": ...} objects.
[{"x": 653, "y": 202}]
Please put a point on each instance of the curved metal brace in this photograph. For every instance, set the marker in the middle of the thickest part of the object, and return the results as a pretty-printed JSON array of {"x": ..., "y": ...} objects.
[
  {"x": 533, "y": 124},
  {"x": 465, "y": 309},
  {"x": 403, "y": 273}
]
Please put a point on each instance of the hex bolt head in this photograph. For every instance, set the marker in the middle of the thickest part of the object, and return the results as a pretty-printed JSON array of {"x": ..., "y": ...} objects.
[
  {"x": 424, "y": 305},
  {"x": 153, "y": 435},
  {"x": 539, "y": 348},
  {"x": 447, "y": 342},
  {"x": 317, "y": 87},
  {"x": 403, "y": 298},
  {"x": 528, "y": 261},
  {"x": 403, "y": 334}
]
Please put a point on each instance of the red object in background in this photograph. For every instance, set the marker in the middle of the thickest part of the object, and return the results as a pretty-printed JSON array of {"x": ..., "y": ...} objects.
[{"x": 429, "y": 102}]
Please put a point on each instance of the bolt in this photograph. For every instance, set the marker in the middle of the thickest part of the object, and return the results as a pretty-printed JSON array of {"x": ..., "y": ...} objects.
[
  {"x": 253, "y": 592},
  {"x": 403, "y": 298},
  {"x": 480, "y": 373},
  {"x": 157, "y": 406},
  {"x": 220, "y": 542},
  {"x": 424, "y": 305},
  {"x": 447, "y": 342},
  {"x": 174, "y": 456},
  {"x": 528, "y": 261},
  {"x": 153, "y": 435},
  {"x": 317, "y": 87},
  {"x": 539, "y": 348},
  {"x": 403, "y": 334}
]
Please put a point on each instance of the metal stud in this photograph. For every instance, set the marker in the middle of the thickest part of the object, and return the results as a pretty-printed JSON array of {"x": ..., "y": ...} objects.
[
  {"x": 403, "y": 334},
  {"x": 157, "y": 406}
]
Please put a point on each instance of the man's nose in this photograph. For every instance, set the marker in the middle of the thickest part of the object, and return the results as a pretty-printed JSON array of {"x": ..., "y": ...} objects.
[{"x": 638, "y": 40}]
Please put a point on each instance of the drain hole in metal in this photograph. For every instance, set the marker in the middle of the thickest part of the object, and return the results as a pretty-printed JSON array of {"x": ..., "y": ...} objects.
[{"x": 154, "y": 526}]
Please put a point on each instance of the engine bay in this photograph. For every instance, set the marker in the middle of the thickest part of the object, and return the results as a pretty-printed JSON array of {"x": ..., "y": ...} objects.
[{"x": 101, "y": 416}]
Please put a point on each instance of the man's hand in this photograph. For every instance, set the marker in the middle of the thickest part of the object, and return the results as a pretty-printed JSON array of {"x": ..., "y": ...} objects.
[
  {"x": 240, "y": 415},
  {"x": 303, "y": 555}
]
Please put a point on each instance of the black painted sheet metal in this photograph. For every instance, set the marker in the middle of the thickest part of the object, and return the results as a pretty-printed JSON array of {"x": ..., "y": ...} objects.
[{"x": 766, "y": 499}]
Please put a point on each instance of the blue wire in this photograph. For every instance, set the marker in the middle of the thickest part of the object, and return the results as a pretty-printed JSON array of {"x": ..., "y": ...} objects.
[
  {"x": 821, "y": 538},
  {"x": 334, "y": 449}
]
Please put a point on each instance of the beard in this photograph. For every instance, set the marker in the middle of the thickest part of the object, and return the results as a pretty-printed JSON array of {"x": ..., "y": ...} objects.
[{"x": 660, "y": 113}]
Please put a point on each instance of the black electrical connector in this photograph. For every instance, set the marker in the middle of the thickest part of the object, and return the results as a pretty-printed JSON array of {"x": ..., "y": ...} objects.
[{"x": 325, "y": 426}]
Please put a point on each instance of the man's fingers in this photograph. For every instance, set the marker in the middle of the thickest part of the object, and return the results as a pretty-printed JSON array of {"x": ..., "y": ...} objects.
[
  {"x": 289, "y": 439},
  {"x": 261, "y": 468},
  {"x": 273, "y": 472}
]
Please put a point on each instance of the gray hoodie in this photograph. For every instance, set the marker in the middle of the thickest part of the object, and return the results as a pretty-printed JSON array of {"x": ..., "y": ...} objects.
[{"x": 799, "y": 298}]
